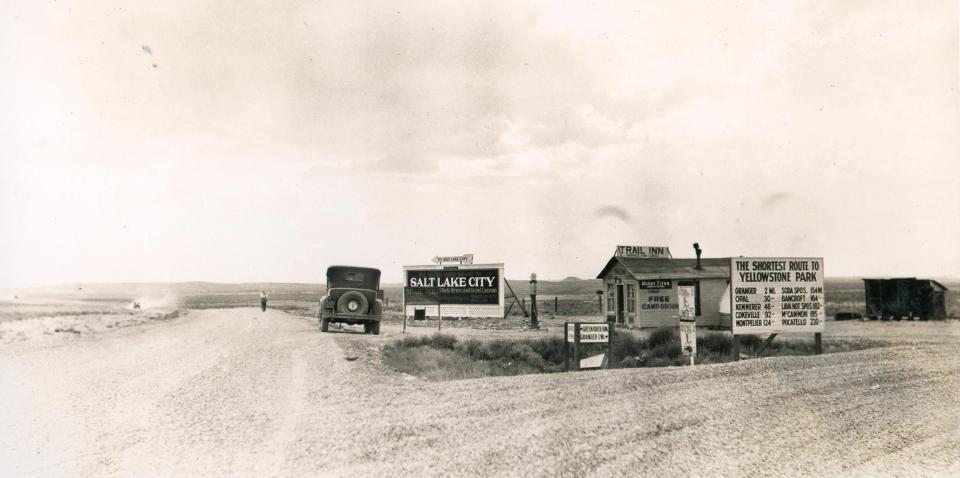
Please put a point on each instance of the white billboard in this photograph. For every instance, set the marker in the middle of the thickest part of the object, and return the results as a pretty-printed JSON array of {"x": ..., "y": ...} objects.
[{"x": 779, "y": 295}]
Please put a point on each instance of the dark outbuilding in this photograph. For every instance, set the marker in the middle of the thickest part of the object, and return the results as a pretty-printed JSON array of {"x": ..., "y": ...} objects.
[{"x": 905, "y": 298}]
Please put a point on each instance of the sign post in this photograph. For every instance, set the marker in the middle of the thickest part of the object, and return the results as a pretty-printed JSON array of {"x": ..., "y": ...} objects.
[{"x": 688, "y": 321}]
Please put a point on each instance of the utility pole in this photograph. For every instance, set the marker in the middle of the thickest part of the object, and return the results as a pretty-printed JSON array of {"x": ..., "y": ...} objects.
[{"x": 533, "y": 301}]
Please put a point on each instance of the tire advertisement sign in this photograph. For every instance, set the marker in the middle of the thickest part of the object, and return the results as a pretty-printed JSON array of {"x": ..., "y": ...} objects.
[
  {"x": 452, "y": 287},
  {"x": 656, "y": 284},
  {"x": 777, "y": 295}
]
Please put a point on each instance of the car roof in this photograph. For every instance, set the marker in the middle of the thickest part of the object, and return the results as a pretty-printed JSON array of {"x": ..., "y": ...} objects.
[{"x": 353, "y": 268}]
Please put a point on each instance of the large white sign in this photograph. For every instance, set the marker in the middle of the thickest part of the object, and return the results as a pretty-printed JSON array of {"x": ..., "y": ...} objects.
[
  {"x": 590, "y": 332},
  {"x": 777, "y": 295},
  {"x": 642, "y": 251}
]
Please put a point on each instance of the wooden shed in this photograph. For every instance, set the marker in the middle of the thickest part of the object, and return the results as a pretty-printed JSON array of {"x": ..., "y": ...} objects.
[
  {"x": 905, "y": 298},
  {"x": 642, "y": 291}
]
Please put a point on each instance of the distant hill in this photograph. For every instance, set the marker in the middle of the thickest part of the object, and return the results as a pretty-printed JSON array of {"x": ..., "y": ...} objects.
[{"x": 121, "y": 290}]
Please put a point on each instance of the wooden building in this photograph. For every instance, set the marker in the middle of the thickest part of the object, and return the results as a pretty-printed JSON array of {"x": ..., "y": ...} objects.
[
  {"x": 641, "y": 290},
  {"x": 905, "y": 298}
]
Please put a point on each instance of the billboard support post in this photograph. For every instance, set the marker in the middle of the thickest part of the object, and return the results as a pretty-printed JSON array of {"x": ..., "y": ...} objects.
[
  {"x": 566, "y": 357},
  {"x": 818, "y": 343}
]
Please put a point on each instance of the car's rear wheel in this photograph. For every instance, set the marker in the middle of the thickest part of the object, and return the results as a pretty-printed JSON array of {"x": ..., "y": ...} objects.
[{"x": 324, "y": 324}]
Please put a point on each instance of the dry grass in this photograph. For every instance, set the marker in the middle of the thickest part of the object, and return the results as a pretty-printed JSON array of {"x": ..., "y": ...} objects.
[{"x": 445, "y": 357}]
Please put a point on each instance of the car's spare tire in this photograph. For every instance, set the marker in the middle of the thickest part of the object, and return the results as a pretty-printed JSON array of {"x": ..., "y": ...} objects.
[{"x": 352, "y": 302}]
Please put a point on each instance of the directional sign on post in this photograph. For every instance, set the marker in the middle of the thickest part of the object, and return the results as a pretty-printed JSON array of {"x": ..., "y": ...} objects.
[
  {"x": 462, "y": 259},
  {"x": 591, "y": 333},
  {"x": 773, "y": 295}
]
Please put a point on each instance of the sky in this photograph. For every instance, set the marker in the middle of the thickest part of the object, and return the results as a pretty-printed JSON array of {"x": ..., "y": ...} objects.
[{"x": 251, "y": 141}]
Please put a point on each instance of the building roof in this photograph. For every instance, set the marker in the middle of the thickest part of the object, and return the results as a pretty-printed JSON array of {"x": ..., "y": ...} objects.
[
  {"x": 668, "y": 268},
  {"x": 934, "y": 283}
]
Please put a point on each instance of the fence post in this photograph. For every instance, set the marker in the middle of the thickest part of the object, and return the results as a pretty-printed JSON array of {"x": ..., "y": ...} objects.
[{"x": 556, "y": 305}]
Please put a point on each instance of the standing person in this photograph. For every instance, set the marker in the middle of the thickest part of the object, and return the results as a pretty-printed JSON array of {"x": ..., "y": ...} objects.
[{"x": 263, "y": 301}]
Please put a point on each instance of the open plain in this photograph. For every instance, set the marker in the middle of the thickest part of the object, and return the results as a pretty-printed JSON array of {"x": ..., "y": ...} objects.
[{"x": 238, "y": 392}]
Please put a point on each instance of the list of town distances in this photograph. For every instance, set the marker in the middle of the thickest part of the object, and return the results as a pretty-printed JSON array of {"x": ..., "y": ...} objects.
[{"x": 777, "y": 295}]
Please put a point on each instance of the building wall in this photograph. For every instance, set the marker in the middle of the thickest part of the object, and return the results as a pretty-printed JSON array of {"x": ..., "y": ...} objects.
[{"x": 659, "y": 307}]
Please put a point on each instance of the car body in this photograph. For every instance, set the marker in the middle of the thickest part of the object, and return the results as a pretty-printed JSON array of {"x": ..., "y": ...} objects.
[{"x": 353, "y": 297}]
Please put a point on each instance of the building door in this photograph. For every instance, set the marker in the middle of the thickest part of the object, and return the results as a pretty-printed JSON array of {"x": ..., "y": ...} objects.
[{"x": 619, "y": 303}]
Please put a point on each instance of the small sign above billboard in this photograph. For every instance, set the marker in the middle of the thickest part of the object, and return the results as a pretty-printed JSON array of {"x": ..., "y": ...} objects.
[
  {"x": 773, "y": 295},
  {"x": 461, "y": 259},
  {"x": 643, "y": 251}
]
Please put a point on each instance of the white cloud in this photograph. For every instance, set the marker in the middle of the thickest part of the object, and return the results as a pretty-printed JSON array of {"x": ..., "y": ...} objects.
[{"x": 495, "y": 128}]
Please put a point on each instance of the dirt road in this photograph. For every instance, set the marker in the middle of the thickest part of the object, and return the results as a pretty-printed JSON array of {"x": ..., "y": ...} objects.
[{"x": 243, "y": 393}]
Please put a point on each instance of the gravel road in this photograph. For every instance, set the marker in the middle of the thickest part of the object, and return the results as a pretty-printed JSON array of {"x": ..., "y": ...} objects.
[{"x": 243, "y": 393}]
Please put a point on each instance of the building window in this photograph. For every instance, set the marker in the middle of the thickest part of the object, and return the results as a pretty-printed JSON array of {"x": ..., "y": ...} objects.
[
  {"x": 611, "y": 291},
  {"x": 631, "y": 298},
  {"x": 696, "y": 293}
]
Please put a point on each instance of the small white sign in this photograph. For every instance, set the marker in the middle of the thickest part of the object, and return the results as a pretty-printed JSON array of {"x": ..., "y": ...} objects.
[
  {"x": 590, "y": 332},
  {"x": 688, "y": 338},
  {"x": 464, "y": 259},
  {"x": 687, "y": 303},
  {"x": 595, "y": 361}
]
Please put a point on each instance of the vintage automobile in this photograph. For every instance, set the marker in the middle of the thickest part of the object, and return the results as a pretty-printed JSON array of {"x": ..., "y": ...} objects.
[{"x": 353, "y": 297}]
